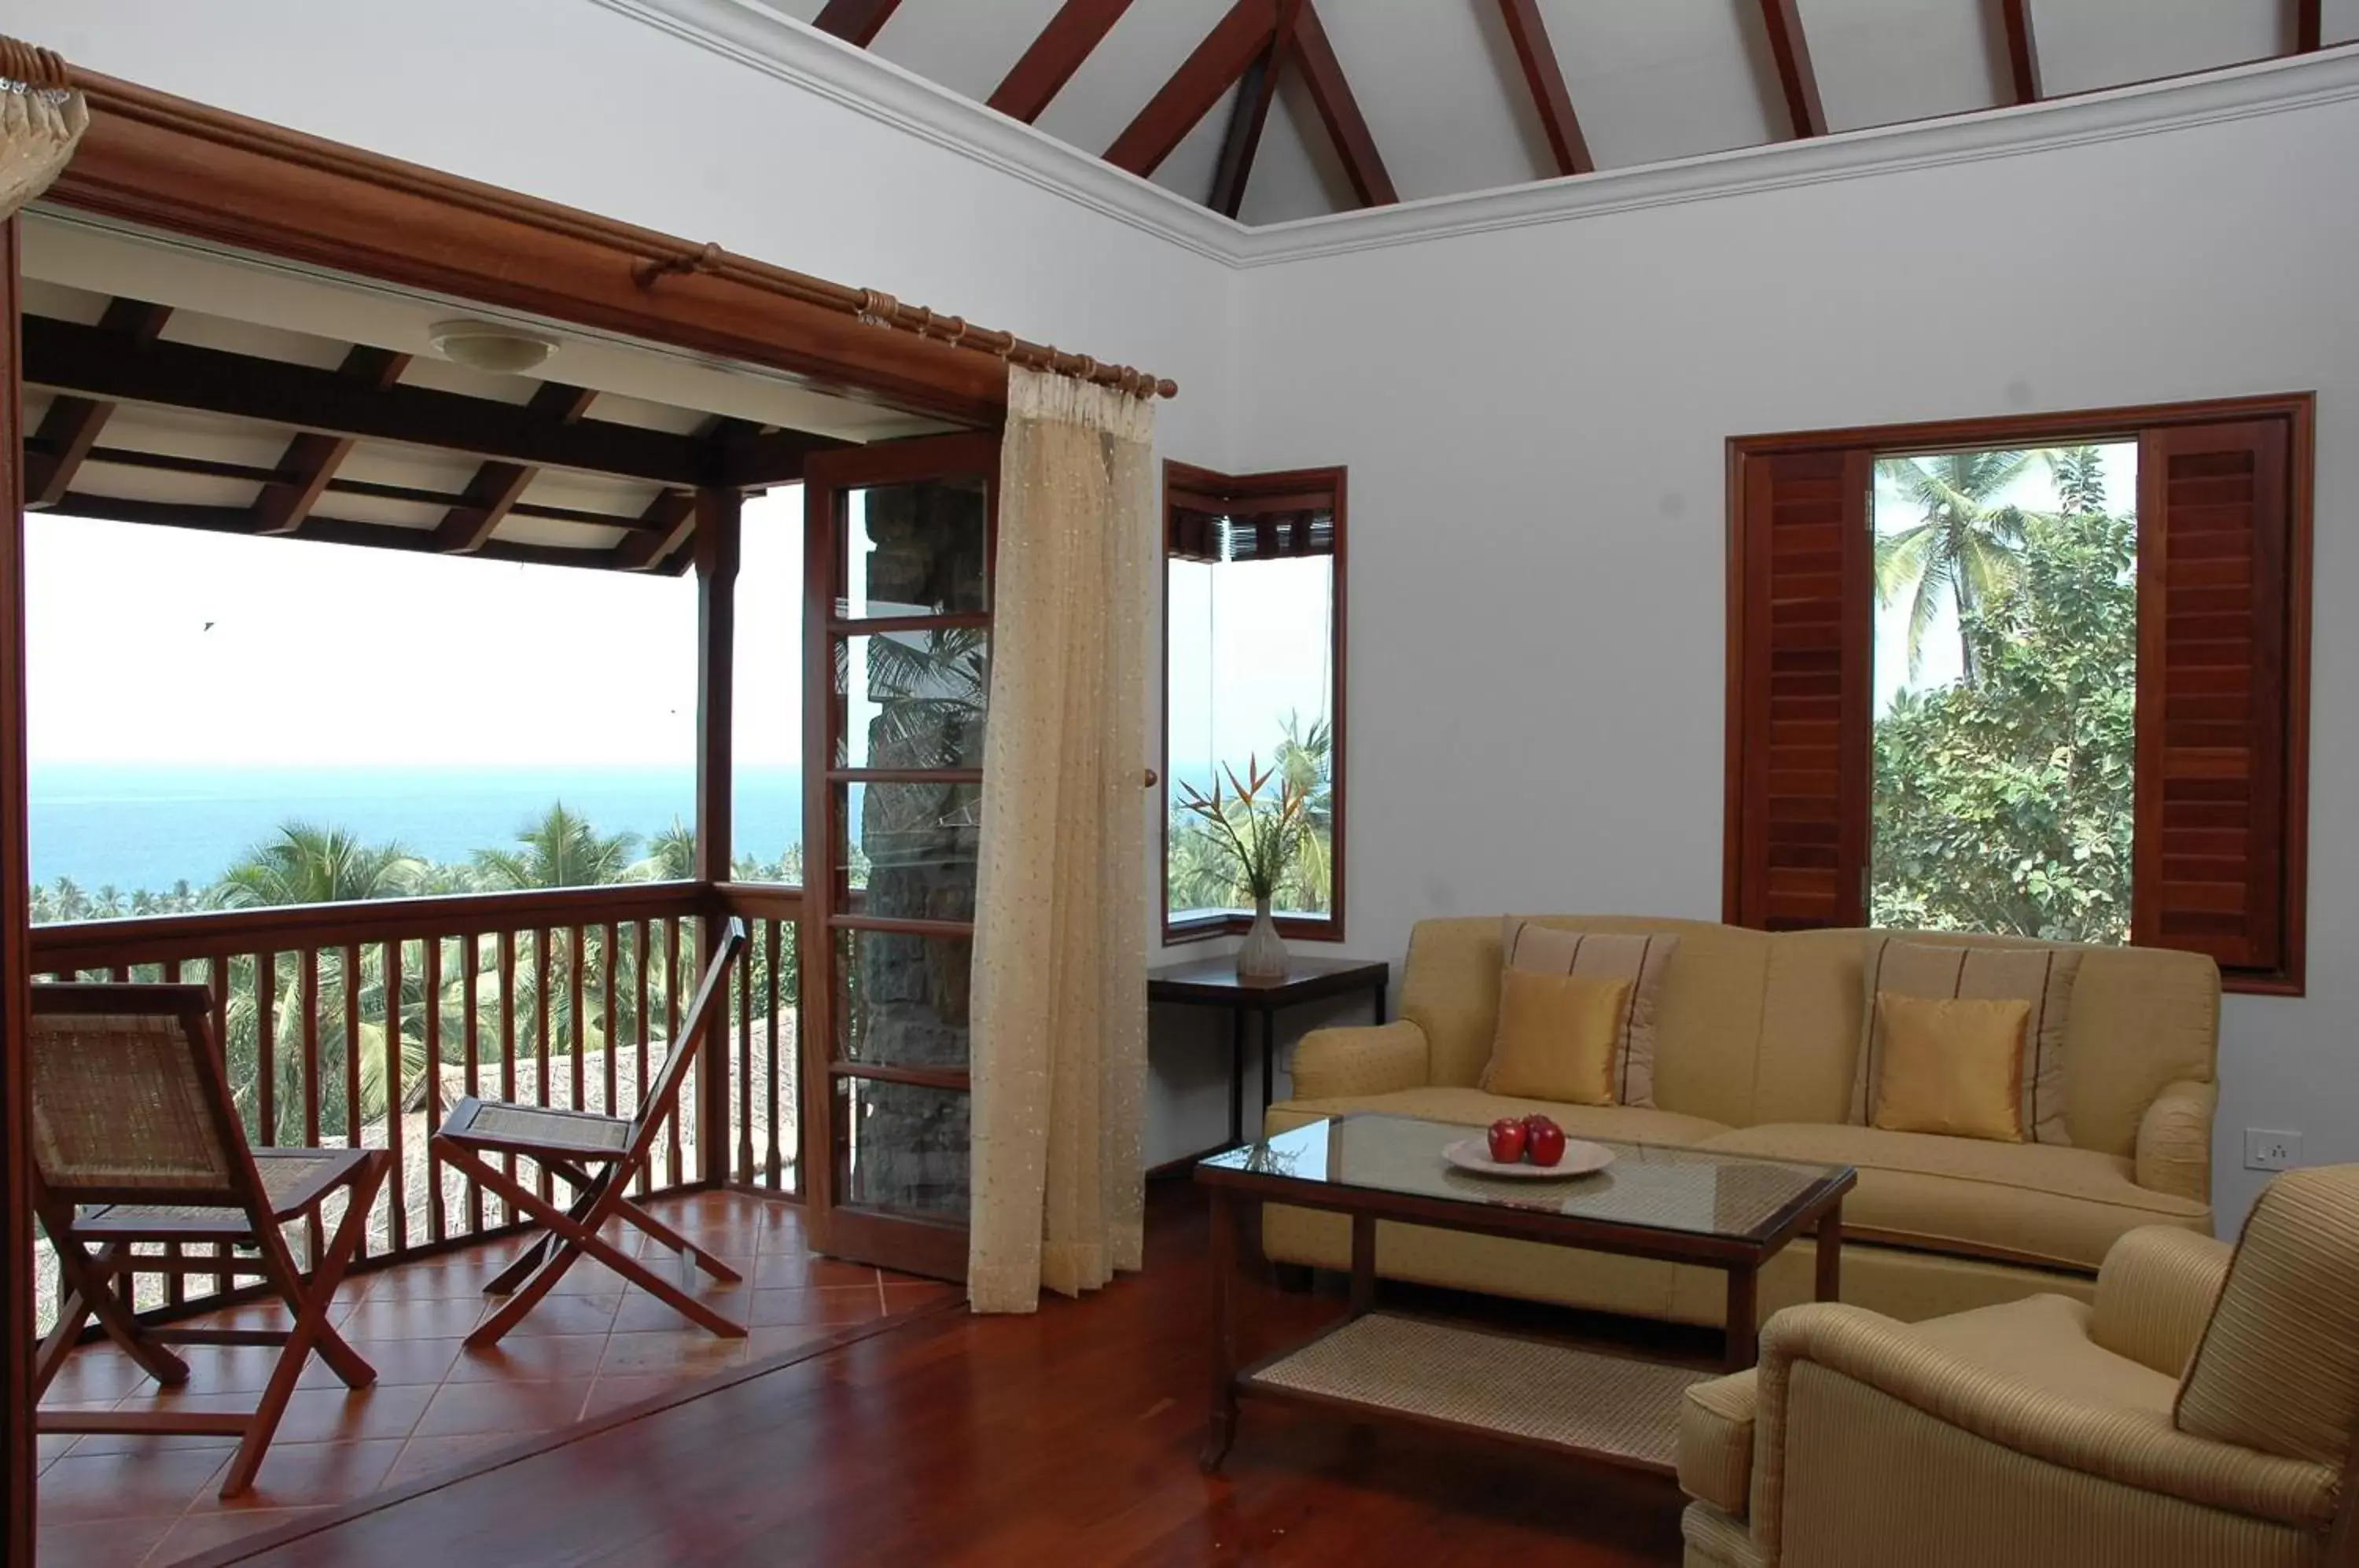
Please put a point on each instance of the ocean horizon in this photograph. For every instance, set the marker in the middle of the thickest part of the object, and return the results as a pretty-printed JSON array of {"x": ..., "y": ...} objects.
[{"x": 145, "y": 825}]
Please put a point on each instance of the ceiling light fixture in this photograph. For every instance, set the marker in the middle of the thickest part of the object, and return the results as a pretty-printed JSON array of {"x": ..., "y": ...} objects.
[{"x": 490, "y": 347}]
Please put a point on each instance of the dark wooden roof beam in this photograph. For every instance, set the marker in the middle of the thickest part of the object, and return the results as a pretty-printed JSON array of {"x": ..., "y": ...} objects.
[
  {"x": 319, "y": 529},
  {"x": 64, "y": 357},
  {"x": 2309, "y": 26},
  {"x": 73, "y": 425},
  {"x": 1340, "y": 110},
  {"x": 2022, "y": 50},
  {"x": 857, "y": 22},
  {"x": 496, "y": 487},
  {"x": 1228, "y": 51},
  {"x": 311, "y": 458},
  {"x": 1544, "y": 74},
  {"x": 664, "y": 526},
  {"x": 1069, "y": 39},
  {"x": 1255, "y": 92},
  {"x": 1798, "y": 81}
]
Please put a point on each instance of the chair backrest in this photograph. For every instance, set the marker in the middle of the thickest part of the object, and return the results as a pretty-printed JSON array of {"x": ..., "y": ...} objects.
[
  {"x": 2278, "y": 1367},
  {"x": 657, "y": 1103},
  {"x": 128, "y": 1099}
]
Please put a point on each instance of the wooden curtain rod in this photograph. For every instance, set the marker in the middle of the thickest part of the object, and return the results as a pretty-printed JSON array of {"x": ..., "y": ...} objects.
[{"x": 656, "y": 256}]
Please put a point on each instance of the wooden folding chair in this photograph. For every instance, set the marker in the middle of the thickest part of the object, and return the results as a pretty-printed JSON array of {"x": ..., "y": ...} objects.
[
  {"x": 136, "y": 1142},
  {"x": 597, "y": 1155}
]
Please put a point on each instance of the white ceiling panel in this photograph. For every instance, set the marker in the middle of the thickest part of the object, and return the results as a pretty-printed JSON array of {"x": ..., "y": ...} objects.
[
  {"x": 1188, "y": 171},
  {"x": 2339, "y": 21},
  {"x": 1435, "y": 96},
  {"x": 1297, "y": 173},
  {"x": 963, "y": 45},
  {"x": 1881, "y": 62},
  {"x": 1128, "y": 68},
  {"x": 2089, "y": 44},
  {"x": 1669, "y": 79}
]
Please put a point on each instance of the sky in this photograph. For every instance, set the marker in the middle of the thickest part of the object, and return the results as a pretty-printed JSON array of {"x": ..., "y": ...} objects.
[
  {"x": 168, "y": 646},
  {"x": 1249, "y": 643}
]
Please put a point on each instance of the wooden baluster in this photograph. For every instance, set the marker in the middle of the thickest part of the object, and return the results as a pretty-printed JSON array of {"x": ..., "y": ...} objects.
[
  {"x": 674, "y": 1173},
  {"x": 432, "y": 985},
  {"x": 265, "y": 1130},
  {"x": 217, "y": 976},
  {"x": 613, "y": 1042},
  {"x": 642, "y": 953},
  {"x": 578, "y": 1033},
  {"x": 396, "y": 1199},
  {"x": 541, "y": 1036},
  {"x": 351, "y": 980},
  {"x": 507, "y": 1049},
  {"x": 740, "y": 1099},
  {"x": 770, "y": 942},
  {"x": 471, "y": 952},
  {"x": 176, "y": 1284},
  {"x": 311, "y": 994}
]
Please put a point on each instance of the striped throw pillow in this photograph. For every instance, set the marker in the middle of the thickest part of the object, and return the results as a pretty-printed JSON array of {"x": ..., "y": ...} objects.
[
  {"x": 1602, "y": 955},
  {"x": 2042, "y": 977}
]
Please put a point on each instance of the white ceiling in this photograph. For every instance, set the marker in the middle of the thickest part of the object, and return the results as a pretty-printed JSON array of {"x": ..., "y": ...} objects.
[{"x": 1650, "y": 81}]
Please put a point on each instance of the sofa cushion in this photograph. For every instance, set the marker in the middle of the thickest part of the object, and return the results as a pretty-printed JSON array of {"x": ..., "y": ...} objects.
[
  {"x": 2044, "y": 1340},
  {"x": 1638, "y": 958},
  {"x": 1951, "y": 1065},
  {"x": 2039, "y": 1203},
  {"x": 1473, "y": 1108},
  {"x": 1560, "y": 1036},
  {"x": 2041, "y": 977}
]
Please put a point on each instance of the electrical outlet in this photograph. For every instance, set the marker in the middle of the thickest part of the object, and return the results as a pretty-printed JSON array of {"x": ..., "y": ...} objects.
[{"x": 2269, "y": 1150}]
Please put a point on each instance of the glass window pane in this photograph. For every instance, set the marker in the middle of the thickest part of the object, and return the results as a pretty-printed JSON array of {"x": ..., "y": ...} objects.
[
  {"x": 913, "y": 699},
  {"x": 902, "y": 1147},
  {"x": 2005, "y": 692},
  {"x": 909, "y": 850},
  {"x": 1252, "y": 683},
  {"x": 915, "y": 549},
  {"x": 766, "y": 709},
  {"x": 901, "y": 1001}
]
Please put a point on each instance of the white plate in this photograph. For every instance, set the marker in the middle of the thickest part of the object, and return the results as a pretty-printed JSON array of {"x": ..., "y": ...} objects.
[{"x": 1580, "y": 1158}]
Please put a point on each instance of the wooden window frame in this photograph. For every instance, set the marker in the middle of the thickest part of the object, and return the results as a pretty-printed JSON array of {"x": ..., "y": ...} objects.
[
  {"x": 1183, "y": 478},
  {"x": 2132, "y": 423}
]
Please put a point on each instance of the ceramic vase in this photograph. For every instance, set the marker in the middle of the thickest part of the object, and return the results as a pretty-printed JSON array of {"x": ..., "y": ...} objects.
[{"x": 1263, "y": 956}]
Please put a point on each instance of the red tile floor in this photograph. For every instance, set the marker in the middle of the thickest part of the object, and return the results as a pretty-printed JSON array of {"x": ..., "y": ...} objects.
[{"x": 596, "y": 1344}]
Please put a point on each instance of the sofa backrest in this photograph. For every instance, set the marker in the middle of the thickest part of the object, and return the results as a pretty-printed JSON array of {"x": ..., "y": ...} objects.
[{"x": 1754, "y": 1027}]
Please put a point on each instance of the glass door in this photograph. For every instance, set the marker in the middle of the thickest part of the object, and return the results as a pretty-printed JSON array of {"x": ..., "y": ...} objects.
[{"x": 898, "y": 647}]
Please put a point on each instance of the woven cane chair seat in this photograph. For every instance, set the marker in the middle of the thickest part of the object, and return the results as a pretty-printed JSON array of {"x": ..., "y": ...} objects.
[
  {"x": 574, "y": 1131},
  {"x": 292, "y": 1180}
]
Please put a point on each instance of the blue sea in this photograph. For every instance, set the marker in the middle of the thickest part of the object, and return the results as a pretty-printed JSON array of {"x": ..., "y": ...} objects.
[{"x": 146, "y": 826}]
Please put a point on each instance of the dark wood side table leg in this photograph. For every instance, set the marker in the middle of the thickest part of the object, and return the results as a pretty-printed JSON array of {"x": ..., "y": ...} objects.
[
  {"x": 1744, "y": 1315},
  {"x": 1221, "y": 1431},
  {"x": 1269, "y": 1063},
  {"x": 1363, "y": 1264},
  {"x": 1237, "y": 1076},
  {"x": 1829, "y": 1285},
  {"x": 1379, "y": 995}
]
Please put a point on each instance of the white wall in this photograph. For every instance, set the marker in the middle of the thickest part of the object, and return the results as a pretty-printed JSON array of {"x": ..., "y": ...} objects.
[{"x": 1534, "y": 420}]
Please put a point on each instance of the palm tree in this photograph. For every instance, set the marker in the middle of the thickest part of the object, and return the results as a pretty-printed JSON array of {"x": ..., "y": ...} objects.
[
  {"x": 308, "y": 865},
  {"x": 1965, "y": 542},
  {"x": 672, "y": 856},
  {"x": 559, "y": 850}
]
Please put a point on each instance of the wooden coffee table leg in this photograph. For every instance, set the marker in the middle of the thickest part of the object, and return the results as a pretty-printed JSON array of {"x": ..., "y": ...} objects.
[
  {"x": 1830, "y": 1287},
  {"x": 1363, "y": 1264},
  {"x": 1222, "y": 1429},
  {"x": 1744, "y": 1315}
]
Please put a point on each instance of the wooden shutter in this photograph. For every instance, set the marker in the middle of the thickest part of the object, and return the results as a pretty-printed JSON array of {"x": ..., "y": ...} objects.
[
  {"x": 2221, "y": 642},
  {"x": 1801, "y": 678}
]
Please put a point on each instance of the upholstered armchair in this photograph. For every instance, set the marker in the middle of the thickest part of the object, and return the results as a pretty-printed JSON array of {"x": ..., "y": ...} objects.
[{"x": 2201, "y": 1413}]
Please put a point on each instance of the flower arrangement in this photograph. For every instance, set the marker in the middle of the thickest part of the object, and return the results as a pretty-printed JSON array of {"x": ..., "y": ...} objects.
[{"x": 1261, "y": 835}]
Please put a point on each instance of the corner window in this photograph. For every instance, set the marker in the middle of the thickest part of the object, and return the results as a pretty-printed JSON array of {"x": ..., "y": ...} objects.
[
  {"x": 1253, "y": 694},
  {"x": 2044, "y": 676}
]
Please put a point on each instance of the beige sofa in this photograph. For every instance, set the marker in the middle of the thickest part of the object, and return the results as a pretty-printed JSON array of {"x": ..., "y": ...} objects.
[
  {"x": 1757, "y": 1037},
  {"x": 2199, "y": 1416}
]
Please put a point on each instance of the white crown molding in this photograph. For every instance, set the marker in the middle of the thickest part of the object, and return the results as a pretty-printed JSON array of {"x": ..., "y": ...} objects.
[{"x": 754, "y": 35}]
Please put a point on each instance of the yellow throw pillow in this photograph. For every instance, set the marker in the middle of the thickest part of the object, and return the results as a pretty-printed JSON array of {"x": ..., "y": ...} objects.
[
  {"x": 1952, "y": 1066},
  {"x": 1557, "y": 1037}
]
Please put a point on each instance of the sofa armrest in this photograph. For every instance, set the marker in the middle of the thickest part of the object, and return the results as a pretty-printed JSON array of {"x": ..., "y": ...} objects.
[
  {"x": 2130, "y": 1458},
  {"x": 1333, "y": 1062},
  {"x": 1715, "y": 1453},
  {"x": 2155, "y": 1294},
  {"x": 2174, "y": 1142}
]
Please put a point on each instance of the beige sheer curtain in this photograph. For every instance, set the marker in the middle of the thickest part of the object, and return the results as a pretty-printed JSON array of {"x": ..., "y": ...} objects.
[
  {"x": 40, "y": 121},
  {"x": 1059, "y": 1002}
]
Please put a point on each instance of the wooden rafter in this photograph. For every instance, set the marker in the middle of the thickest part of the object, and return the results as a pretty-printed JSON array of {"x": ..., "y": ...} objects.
[
  {"x": 311, "y": 458},
  {"x": 324, "y": 530},
  {"x": 1323, "y": 73},
  {"x": 65, "y": 357},
  {"x": 751, "y": 458},
  {"x": 1255, "y": 92},
  {"x": 857, "y": 22},
  {"x": 496, "y": 487},
  {"x": 1238, "y": 40},
  {"x": 662, "y": 529},
  {"x": 1544, "y": 74},
  {"x": 2309, "y": 26},
  {"x": 2022, "y": 50},
  {"x": 73, "y": 425},
  {"x": 1796, "y": 79},
  {"x": 1034, "y": 82}
]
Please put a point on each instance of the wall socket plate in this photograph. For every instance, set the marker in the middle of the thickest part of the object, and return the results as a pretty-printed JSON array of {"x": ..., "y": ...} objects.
[{"x": 2271, "y": 1150}]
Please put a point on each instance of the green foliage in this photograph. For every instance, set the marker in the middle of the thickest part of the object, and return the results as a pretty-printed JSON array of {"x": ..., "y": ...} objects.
[
  {"x": 1964, "y": 542},
  {"x": 2004, "y": 804},
  {"x": 1204, "y": 871}
]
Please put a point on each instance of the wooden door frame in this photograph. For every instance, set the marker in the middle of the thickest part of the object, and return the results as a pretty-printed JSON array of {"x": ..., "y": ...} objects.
[
  {"x": 18, "y": 1487},
  {"x": 908, "y": 1242}
]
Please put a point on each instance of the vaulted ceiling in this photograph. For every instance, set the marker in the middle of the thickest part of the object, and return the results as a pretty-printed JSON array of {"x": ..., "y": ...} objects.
[{"x": 1272, "y": 109}]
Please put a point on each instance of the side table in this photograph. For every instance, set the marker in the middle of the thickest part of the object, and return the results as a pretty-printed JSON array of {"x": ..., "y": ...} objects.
[{"x": 1214, "y": 982}]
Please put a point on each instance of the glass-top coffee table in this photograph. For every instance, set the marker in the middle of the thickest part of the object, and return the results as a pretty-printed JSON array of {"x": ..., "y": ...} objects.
[{"x": 1728, "y": 1212}]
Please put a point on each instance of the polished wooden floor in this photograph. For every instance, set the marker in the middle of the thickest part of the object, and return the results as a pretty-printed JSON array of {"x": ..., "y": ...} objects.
[{"x": 1066, "y": 1438}]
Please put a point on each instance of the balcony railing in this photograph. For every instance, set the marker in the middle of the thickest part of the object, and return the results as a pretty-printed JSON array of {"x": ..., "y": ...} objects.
[{"x": 360, "y": 1024}]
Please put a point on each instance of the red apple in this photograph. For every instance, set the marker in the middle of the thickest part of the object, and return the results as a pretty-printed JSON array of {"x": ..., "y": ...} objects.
[
  {"x": 1545, "y": 1143},
  {"x": 1507, "y": 1140}
]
